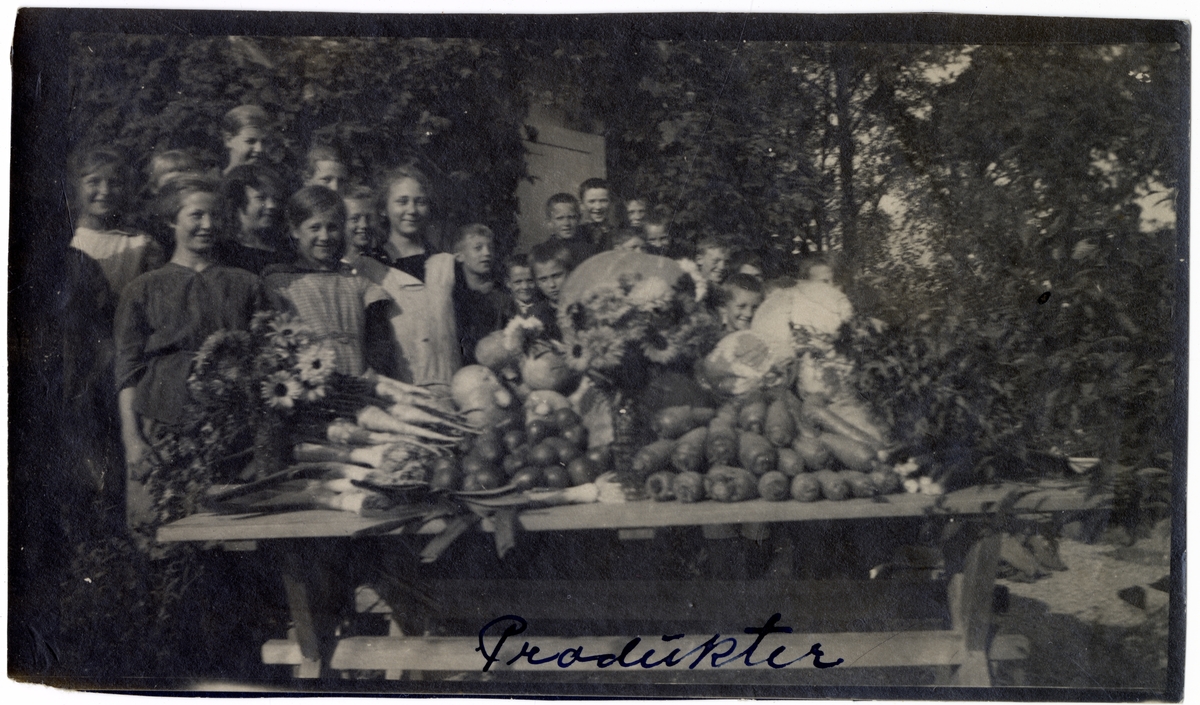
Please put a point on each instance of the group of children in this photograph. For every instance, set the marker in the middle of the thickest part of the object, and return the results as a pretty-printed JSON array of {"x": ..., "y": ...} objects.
[{"x": 353, "y": 262}]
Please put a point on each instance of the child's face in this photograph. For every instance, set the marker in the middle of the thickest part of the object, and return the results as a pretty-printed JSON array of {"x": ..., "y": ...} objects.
[
  {"x": 595, "y": 204},
  {"x": 739, "y": 309},
  {"x": 195, "y": 224},
  {"x": 328, "y": 173},
  {"x": 821, "y": 273},
  {"x": 475, "y": 253},
  {"x": 633, "y": 244},
  {"x": 713, "y": 263},
  {"x": 101, "y": 192},
  {"x": 246, "y": 147},
  {"x": 635, "y": 212},
  {"x": 521, "y": 284},
  {"x": 358, "y": 222},
  {"x": 549, "y": 276},
  {"x": 407, "y": 208},
  {"x": 319, "y": 240},
  {"x": 656, "y": 236},
  {"x": 564, "y": 219},
  {"x": 260, "y": 211}
]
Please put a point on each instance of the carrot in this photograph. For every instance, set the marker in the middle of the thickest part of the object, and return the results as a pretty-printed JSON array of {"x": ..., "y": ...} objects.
[
  {"x": 860, "y": 485},
  {"x": 794, "y": 406},
  {"x": 416, "y": 415},
  {"x": 372, "y": 456},
  {"x": 790, "y": 463},
  {"x": 688, "y": 455},
  {"x": 344, "y": 432},
  {"x": 833, "y": 485},
  {"x": 756, "y": 453},
  {"x": 386, "y": 385},
  {"x": 829, "y": 421},
  {"x": 373, "y": 418},
  {"x": 851, "y": 453},
  {"x": 753, "y": 416},
  {"x": 674, "y": 421},
  {"x": 806, "y": 488},
  {"x": 810, "y": 449},
  {"x": 653, "y": 457},
  {"x": 780, "y": 427},
  {"x": 721, "y": 446}
]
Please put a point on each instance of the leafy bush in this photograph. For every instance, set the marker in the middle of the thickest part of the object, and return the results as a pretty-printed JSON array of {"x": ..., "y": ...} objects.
[{"x": 452, "y": 106}]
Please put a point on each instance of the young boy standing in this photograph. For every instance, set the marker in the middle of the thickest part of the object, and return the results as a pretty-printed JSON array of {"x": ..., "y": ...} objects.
[
  {"x": 551, "y": 264},
  {"x": 597, "y": 227},
  {"x": 478, "y": 302},
  {"x": 562, "y": 219}
]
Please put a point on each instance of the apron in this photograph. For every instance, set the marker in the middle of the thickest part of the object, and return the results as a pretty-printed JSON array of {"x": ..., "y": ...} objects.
[{"x": 422, "y": 319}]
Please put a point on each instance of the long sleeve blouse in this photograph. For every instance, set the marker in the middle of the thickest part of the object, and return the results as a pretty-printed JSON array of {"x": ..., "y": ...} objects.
[{"x": 162, "y": 320}]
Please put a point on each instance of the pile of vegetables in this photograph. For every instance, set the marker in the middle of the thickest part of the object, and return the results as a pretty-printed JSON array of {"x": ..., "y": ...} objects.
[
  {"x": 543, "y": 452},
  {"x": 763, "y": 444},
  {"x": 360, "y": 444}
]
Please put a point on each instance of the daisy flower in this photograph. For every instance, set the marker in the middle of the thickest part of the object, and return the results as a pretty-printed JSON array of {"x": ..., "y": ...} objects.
[
  {"x": 285, "y": 332},
  {"x": 281, "y": 390},
  {"x": 316, "y": 363}
]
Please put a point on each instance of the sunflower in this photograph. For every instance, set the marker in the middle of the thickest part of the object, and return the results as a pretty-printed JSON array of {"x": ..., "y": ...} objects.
[
  {"x": 316, "y": 363},
  {"x": 652, "y": 294},
  {"x": 604, "y": 347},
  {"x": 281, "y": 390},
  {"x": 605, "y": 307}
]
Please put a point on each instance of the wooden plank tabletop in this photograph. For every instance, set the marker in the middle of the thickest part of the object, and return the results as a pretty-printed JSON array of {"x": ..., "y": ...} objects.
[{"x": 1045, "y": 497}]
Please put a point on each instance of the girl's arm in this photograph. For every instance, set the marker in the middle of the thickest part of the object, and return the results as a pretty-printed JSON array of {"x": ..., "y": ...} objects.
[{"x": 137, "y": 450}]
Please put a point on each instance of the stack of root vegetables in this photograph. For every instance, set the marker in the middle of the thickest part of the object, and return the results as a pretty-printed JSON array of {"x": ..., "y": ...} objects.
[
  {"x": 769, "y": 445},
  {"x": 378, "y": 431}
]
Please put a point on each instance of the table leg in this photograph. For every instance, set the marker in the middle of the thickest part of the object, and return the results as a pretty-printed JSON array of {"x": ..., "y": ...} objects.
[
  {"x": 300, "y": 605},
  {"x": 971, "y": 607}
]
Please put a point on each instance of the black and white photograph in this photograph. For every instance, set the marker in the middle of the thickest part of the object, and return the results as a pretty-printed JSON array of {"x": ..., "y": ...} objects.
[{"x": 598, "y": 356}]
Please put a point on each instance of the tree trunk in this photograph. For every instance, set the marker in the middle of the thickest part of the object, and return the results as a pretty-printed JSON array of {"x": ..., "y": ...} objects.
[{"x": 843, "y": 70}]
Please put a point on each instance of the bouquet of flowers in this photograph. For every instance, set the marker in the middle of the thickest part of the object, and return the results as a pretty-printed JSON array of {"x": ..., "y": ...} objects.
[
  {"x": 624, "y": 315},
  {"x": 244, "y": 387},
  {"x": 623, "y": 311}
]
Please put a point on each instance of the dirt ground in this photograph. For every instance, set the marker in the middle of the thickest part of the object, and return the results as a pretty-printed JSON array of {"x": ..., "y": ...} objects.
[{"x": 1082, "y": 634}]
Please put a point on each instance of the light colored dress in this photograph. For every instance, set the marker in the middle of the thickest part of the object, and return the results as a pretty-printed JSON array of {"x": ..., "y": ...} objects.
[
  {"x": 332, "y": 304},
  {"x": 422, "y": 319}
]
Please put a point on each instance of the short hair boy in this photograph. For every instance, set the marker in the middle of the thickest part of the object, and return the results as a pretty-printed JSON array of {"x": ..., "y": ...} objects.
[
  {"x": 712, "y": 258},
  {"x": 478, "y": 302},
  {"x": 551, "y": 263},
  {"x": 747, "y": 262},
  {"x": 740, "y": 297},
  {"x": 596, "y": 199},
  {"x": 562, "y": 215}
]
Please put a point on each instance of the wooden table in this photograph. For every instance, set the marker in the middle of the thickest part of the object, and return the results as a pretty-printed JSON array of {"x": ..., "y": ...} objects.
[{"x": 959, "y": 643}]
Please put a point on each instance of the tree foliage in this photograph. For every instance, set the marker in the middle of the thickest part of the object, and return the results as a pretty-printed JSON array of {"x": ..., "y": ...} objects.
[{"x": 451, "y": 106}]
